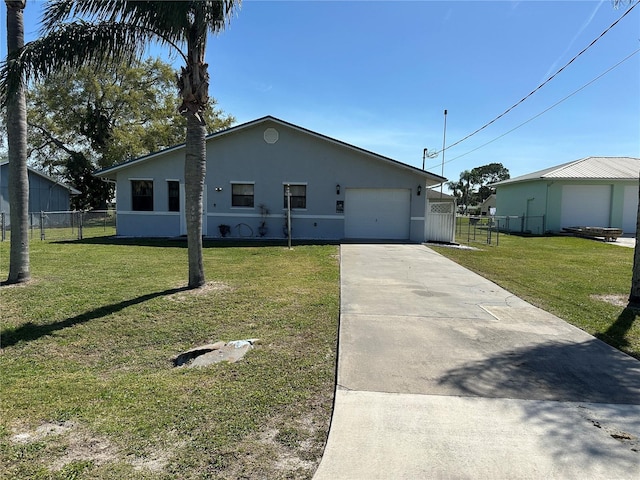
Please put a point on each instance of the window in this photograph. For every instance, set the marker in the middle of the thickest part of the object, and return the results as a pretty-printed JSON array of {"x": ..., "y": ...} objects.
[
  {"x": 142, "y": 195},
  {"x": 298, "y": 196},
  {"x": 174, "y": 195},
  {"x": 242, "y": 195}
]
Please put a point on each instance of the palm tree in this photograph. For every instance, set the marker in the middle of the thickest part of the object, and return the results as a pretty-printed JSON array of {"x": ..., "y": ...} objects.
[
  {"x": 634, "y": 296},
  {"x": 114, "y": 31},
  {"x": 17, "y": 145}
]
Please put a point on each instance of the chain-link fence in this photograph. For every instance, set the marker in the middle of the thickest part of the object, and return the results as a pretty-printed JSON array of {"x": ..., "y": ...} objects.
[
  {"x": 72, "y": 225},
  {"x": 487, "y": 229}
]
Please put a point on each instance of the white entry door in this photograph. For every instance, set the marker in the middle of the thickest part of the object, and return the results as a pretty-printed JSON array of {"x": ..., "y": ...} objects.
[{"x": 372, "y": 213}]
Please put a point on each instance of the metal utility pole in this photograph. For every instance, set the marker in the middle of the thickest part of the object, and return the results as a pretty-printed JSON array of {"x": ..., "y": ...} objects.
[
  {"x": 289, "y": 215},
  {"x": 444, "y": 139}
]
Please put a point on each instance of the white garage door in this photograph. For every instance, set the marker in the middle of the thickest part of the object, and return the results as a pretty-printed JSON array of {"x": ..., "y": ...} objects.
[
  {"x": 586, "y": 206},
  {"x": 377, "y": 213},
  {"x": 630, "y": 209}
]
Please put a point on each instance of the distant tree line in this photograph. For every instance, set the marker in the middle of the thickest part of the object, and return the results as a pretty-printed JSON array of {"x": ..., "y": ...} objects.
[{"x": 474, "y": 186}]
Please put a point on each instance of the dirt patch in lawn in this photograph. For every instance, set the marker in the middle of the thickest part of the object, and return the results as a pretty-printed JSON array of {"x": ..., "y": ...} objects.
[
  {"x": 207, "y": 289},
  {"x": 617, "y": 300},
  {"x": 75, "y": 443}
]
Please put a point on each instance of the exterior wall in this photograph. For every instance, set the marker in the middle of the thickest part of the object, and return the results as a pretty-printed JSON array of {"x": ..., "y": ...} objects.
[
  {"x": 524, "y": 199},
  {"x": 44, "y": 195},
  {"x": 245, "y": 157},
  {"x": 546, "y": 199}
]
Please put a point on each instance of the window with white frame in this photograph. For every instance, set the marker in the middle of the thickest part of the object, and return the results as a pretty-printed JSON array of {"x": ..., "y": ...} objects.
[
  {"x": 173, "y": 187},
  {"x": 142, "y": 195},
  {"x": 298, "y": 195},
  {"x": 242, "y": 195}
]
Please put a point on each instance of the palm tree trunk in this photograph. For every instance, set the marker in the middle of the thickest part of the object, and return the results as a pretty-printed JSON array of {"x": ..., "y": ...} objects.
[
  {"x": 634, "y": 297},
  {"x": 17, "y": 149},
  {"x": 194, "y": 174}
]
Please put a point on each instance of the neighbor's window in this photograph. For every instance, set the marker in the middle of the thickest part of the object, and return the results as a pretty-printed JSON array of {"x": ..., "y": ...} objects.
[
  {"x": 142, "y": 195},
  {"x": 174, "y": 195},
  {"x": 298, "y": 196},
  {"x": 242, "y": 194}
]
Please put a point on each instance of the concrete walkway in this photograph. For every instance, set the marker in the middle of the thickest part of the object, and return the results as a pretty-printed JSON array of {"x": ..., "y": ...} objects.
[{"x": 443, "y": 374}]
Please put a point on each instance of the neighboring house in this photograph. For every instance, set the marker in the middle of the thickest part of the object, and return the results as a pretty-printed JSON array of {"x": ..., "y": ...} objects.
[
  {"x": 590, "y": 192},
  {"x": 337, "y": 190},
  {"x": 46, "y": 194},
  {"x": 488, "y": 204}
]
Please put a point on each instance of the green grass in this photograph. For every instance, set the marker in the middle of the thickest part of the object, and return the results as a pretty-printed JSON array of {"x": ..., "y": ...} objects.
[
  {"x": 566, "y": 276},
  {"x": 87, "y": 349}
]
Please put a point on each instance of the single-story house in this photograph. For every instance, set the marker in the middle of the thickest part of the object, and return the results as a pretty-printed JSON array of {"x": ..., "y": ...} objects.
[
  {"x": 488, "y": 204},
  {"x": 590, "y": 192},
  {"x": 337, "y": 190},
  {"x": 46, "y": 194}
]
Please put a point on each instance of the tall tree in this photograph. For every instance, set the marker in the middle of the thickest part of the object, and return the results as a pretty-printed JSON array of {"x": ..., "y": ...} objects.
[
  {"x": 634, "y": 296},
  {"x": 19, "y": 265},
  {"x": 94, "y": 119},
  {"x": 116, "y": 31},
  {"x": 485, "y": 175}
]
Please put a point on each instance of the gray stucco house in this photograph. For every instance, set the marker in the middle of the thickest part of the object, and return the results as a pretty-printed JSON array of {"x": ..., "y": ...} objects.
[
  {"x": 337, "y": 190},
  {"x": 46, "y": 194},
  {"x": 589, "y": 192}
]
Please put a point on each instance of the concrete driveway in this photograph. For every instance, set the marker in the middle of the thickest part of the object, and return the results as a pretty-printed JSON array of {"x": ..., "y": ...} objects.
[{"x": 443, "y": 374}]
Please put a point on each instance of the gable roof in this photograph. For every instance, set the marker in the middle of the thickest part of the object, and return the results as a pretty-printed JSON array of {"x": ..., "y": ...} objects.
[
  {"x": 269, "y": 118},
  {"x": 72, "y": 191},
  {"x": 590, "y": 168}
]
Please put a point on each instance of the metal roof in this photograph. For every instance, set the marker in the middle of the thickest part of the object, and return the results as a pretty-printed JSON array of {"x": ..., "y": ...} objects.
[{"x": 590, "y": 168}]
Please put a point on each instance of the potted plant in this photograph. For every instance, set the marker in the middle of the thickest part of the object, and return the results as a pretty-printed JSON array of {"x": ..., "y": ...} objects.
[
  {"x": 264, "y": 213},
  {"x": 224, "y": 230}
]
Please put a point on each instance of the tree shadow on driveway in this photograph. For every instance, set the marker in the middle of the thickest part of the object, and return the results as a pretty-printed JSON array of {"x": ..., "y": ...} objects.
[
  {"x": 30, "y": 331},
  {"x": 579, "y": 402},
  {"x": 590, "y": 371}
]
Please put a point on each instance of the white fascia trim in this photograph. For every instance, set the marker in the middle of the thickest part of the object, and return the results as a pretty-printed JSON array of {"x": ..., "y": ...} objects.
[
  {"x": 244, "y": 183},
  {"x": 154, "y": 213},
  {"x": 256, "y": 215},
  {"x": 131, "y": 179}
]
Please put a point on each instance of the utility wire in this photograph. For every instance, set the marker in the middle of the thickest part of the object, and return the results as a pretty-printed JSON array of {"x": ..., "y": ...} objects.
[
  {"x": 546, "y": 109},
  {"x": 543, "y": 83}
]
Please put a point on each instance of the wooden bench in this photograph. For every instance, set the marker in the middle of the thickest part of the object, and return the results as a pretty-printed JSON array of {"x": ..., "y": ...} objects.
[{"x": 609, "y": 234}]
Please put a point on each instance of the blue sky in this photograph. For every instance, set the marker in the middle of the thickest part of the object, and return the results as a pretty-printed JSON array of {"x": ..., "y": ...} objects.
[{"x": 379, "y": 74}]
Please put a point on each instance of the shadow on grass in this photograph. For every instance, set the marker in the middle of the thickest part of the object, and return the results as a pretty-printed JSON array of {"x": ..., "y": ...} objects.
[
  {"x": 615, "y": 334},
  {"x": 30, "y": 331},
  {"x": 181, "y": 242}
]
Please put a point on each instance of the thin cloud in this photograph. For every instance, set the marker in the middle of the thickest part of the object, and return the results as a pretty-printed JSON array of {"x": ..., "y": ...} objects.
[{"x": 553, "y": 67}]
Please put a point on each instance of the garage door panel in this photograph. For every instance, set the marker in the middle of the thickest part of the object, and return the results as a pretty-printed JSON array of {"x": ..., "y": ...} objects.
[
  {"x": 586, "y": 206},
  {"x": 377, "y": 213},
  {"x": 630, "y": 209}
]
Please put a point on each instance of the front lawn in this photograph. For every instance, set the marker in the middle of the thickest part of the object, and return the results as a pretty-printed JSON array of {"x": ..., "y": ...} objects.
[
  {"x": 89, "y": 389},
  {"x": 585, "y": 282}
]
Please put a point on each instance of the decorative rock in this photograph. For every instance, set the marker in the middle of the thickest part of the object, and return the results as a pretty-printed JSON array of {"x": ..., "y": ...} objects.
[{"x": 204, "y": 355}]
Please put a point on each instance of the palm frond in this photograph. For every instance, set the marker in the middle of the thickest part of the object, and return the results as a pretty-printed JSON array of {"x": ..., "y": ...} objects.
[
  {"x": 71, "y": 46},
  {"x": 173, "y": 18}
]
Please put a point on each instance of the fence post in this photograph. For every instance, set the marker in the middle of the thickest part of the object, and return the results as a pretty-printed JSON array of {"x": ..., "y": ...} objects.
[
  {"x": 41, "y": 225},
  {"x": 80, "y": 215},
  {"x": 3, "y": 226}
]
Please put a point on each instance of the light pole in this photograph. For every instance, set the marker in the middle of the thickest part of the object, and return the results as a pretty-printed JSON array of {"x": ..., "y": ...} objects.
[{"x": 444, "y": 138}]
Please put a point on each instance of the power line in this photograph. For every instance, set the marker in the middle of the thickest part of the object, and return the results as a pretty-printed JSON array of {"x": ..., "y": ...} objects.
[
  {"x": 546, "y": 109},
  {"x": 543, "y": 83}
]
